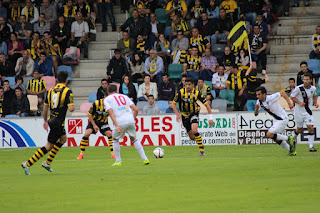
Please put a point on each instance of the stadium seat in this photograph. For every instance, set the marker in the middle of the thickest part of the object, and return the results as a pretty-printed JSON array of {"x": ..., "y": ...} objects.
[
  {"x": 227, "y": 95},
  {"x": 209, "y": 83},
  {"x": 50, "y": 81},
  {"x": 92, "y": 97},
  {"x": 314, "y": 65},
  {"x": 11, "y": 81},
  {"x": 161, "y": 15},
  {"x": 136, "y": 86},
  {"x": 85, "y": 106},
  {"x": 66, "y": 68},
  {"x": 219, "y": 104},
  {"x": 26, "y": 80},
  {"x": 175, "y": 70},
  {"x": 218, "y": 50},
  {"x": 117, "y": 84},
  {"x": 33, "y": 100},
  {"x": 73, "y": 62},
  {"x": 141, "y": 104},
  {"x": 163, "y": 106}
]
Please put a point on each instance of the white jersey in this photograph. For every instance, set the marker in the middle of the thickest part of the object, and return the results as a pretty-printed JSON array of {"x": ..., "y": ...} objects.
[
  {"x": 272, "y": 106},
  {"x": 297, "y": 94},
  {"x": 220, "y": 81},
  {"x": 120, "y": 105}
]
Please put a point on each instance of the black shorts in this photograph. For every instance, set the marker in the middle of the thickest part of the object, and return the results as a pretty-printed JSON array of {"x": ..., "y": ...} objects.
[
  {"x": 103, "y": 127},
  {"x": 188, "y": 121},
  {"x": 56, "y": 130}
]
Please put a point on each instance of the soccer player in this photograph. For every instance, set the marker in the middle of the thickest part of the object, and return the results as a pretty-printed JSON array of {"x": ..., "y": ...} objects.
[
  {"x": 98, "y": 121},
  {"x": 120, "y": 109},
  {"x": 187, "y": 98},
  {"x": 59, "y": 99},
  {"x": 302, "y": 96},
  {"x": 270, "y": 104}
]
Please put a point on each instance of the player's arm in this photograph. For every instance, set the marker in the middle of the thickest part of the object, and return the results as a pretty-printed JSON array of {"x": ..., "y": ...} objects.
[
  {"x": 70, "y": 102},
  {"x": 285, "y": 96},
  {"x": 95, "y": 127},
  {"x": 175, "y": 109},
  {"x": 256, "y": 111},
  {"x": 135, "y": 110},
  {"x": 210, "y": 114},
  {"x": 249, "y": 70},
  {"x": 45, "y": 116},
  {"x": 315, "y": 103}
]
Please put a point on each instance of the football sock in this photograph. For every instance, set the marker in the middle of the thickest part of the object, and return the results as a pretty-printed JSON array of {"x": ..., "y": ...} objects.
[
  {"x": 84, "y": 143},
  {"x": 39, "y": 154},
  {"x": 110, "y": 145},
  {"x": 140, "y": 149},
  {"x": 198, "y": 139},
  {"x": 116, "y": 149},
  {"x": 285, "y": 145},
  {"x": 53, "y": 152},
  {"x": 281, "y": 137},
  {"x": 310, "y": 140}
]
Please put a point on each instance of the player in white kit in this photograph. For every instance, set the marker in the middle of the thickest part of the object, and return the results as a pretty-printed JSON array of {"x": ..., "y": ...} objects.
[
  {"x": 302, "y": 96},
  {"x": 270, "y": 104},
  {"x": 120, "y": 109}
]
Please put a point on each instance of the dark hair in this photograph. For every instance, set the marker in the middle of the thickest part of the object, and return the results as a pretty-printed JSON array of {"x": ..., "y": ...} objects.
[
  {"x": 18, "y": 88},
  {"x": 166, "y": 74},
  {"x": 201, "y": 79},
  {"x": 42, "y": 14},
  {"x": 62, "y": 76},
  {"x": 262, "y": 89},
  {"x": 1, "y": 88},
  {"x": 254, "y": 72},
  {"x": 146, "y": 76},
  {"x": 235, "y": 66},
  {"x": 47, "y": 32},
  {"x": 158, "y": 47},
  {"x": 36, "y": 32},
  {"x": 6, "y": 81},
  {"x": 150, "y": 96},
  {"x": 18, "y": 77},
  {"x": 36, "y": 71},
  {"x": 134, "y": 61},
  {"x": 103, "y": 80},
  {"x": 135, "y": 10},
  {"x": 256, "y": 25},
  {"x": 292, "y": 79},
  {"x": 189, "y": 79},
  {"x": 43, "y": 53},
  {"x": 112, "y": 88},
  {"x": 14, "y": 33},
  {"x": 307, "y": 74},
  {"x": 303, "y": 62},
  {"x": 117, "y": 51},
  {"x": 184, "y": 76}
]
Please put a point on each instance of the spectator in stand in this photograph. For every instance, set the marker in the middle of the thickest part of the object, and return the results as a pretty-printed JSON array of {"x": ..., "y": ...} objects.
[
  {"x": 142, "y": 47},
  {"x": 204, "y": 90},
  {"x": 315, "y": 45},
  {"x": 41, "y": 26},
  {"x": 213, "y": 10},
  {"x": 242, "y": 60},
  {"x": 219, "y": 80},
  {"x": 4, "y": 30},
  {"x": 222, "y": 29},
  {"x": 37, "y": 86},
  {"x": 258, "y": 44},
  {"x": 267, "y": 11},
  {"x": 196, "y": 12},
  {"x": 35, "y": 47},
  {"x": 304, "y": 69},
  {"x": 8, "y": 91},
  {"x": 290, "y": 88},
  {"x": 250, "y": 8},
  {"x": 228, "y": 59},
  {"x": 126, "y": 45},
  {"x": 192, "y": 65},
  {"x": 177, "y": 7},
  {"x": 15, "y": 48},
  {"x": 162, "y": 45},
  {"x": 180, "y": 43},
  {"x": 297, "y": 3},
  {"x": 31, "y": 12},
  {"x": 85, "y": 9},
  {"x": 24, "y": 30},
  {"x": 231, "y": 8},
  {"x": 137, "y": 25},
  {"x": 243, "y": 17},
  {"x": 208, "y": 65},
  {"x": 154, "y": 67},
  {"x": 19, "y": 83},
  {"x": 127, "y": 88},
  {"x": 19, "y": 105},
  {"x": 2, "y": 106},
  {"x": 3, "y": 47},
  {"x": 61, "y": 32},
  {"x": 170, "y": 109},
  {"x": 14, "y": 13},
  {"x": 178, "y": 25},
  {"x": 205, "y": 25},
  {"x": 104, "y": 8},
  {"x": 151, "y": 108},
  {"x": 262, "y": 25},
  {"x": 80, "y": 34},
  {"x": 49, "y": 11},
  {"x": 253, "y": 82},
  {"x": 166, "y": 89},
  {"x": 68, "y": 12},
  {"x": 25, "y": 65},
  {"x": 52, "y": 49},
  {"x": 117, "y": 67},
  {"x": 102, "y": 89},
  {"x": 6, "y": 68},
  {"x": 198, "y": 41},
  {"x": 156, "y": 29},
  {"x": 146, "y": 89},
  {"x": 237, "y": 82},
  {"x": 143, "y": 6},
  {"x": 3, "y": 10},
  {"x": 44, "y": 65},
  {"x": 183, "y": 82},
  {"x": 137, "y": 67}
]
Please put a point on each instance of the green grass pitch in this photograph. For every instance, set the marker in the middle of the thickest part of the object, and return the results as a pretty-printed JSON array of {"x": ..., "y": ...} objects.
[{"x": 259, "y": 178}]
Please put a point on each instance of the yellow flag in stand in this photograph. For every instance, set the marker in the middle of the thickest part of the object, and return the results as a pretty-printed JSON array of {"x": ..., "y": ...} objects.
[{"x": 238, "y": 37}]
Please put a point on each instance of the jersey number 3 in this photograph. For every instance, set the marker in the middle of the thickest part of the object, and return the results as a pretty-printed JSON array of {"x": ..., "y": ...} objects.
[{"x": 120, "y": 100}]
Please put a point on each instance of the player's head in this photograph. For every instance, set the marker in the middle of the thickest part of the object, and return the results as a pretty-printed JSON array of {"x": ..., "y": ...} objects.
[
  {"x": 62, "y": 77},
  {"x": 200, "y": 82},
  {"x": 304, "y": 66},
  {"x": 112, "y": 89},
  {"x": 150, "y": 100},
  {"x": 189, "y": 84},
  {"x": 292, "y": 82},
  {"x": 104, "y": 83},
  {"x": 261, "y": 93},
  {"x": 307, "y": 79}
]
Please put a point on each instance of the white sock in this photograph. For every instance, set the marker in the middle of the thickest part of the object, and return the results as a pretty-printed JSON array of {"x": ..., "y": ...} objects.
[
  {"x": 310, "y": 140},
  {"x": 285, "y": 145},
  {"x": 140, "y": 149},
  {"x": 116, "y": 149},
  {"x": 281, "y": 137}
]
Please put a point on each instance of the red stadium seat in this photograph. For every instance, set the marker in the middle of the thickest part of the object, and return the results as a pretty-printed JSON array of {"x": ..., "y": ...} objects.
[
  {"x": 85, "y": 106},
  {"x": 50, "y": 81}
]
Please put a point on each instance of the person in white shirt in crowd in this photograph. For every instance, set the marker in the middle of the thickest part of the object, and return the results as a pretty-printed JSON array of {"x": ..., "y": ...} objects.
[
  {"x": 31, "y": 12},
  {"x": 146, "y": 89},
  {"x": 25, "y": 65},
  {"x": 219, "y": 80}
]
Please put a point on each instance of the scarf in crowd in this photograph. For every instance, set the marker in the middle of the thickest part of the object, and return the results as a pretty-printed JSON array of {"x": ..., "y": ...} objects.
[
  {"x": 15, "y": 13},
  {"x": 316, "y": 41},
  {"x": 29, "y": 14}
]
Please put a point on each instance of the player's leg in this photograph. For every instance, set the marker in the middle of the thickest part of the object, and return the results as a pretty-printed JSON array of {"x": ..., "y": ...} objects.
[
  {"x": 109, "y": 135},
  {"x": 197, "y": 137},
  {"x": 84, "y": 142},
  {"x": 116, "y": 146},
  {"x": 311, "y": 138},
  {"x": 131, "y": 130}
]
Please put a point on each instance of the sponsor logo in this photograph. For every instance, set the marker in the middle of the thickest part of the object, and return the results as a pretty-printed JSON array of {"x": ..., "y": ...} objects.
[{"x": 75, "y": 126}]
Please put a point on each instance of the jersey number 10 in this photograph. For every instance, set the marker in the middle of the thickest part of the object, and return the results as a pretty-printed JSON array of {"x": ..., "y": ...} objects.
[{"x": 120, "y": 100}]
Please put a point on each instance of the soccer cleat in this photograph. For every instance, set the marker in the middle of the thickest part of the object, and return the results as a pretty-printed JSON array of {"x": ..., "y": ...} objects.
[
  {"x": 26, "y": 168},
  {"x": 113, "y": 156},
  {"x": 312, "y": 149},
  {"x": 80, "y": 156},
  {"x": 202, "y": 153},
  {"x": 146, "y": 161},
  {"x": 117, "y": 164},
  {"x": 46, "y": 166},
  {"x": 292, "y": 153},
  {"x": 291, "y": 143}
]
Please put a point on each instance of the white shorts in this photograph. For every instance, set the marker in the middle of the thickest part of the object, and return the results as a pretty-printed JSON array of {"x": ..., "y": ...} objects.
[
  {"x": 301, "y": 119},
  {"x": 279, "y": 126},
  {"x": 126, "y": 128}
]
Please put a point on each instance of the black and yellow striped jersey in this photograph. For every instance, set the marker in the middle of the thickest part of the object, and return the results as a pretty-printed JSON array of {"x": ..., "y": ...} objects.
[
  {"x": 206, "y": 91},
  {"x": 36, "y": 85},
  {"x": 98, "y": 113},
  {"x": 199, "y": 42},
  {"x": 182, "y": 26},
  {"x": 68, "y": 13},
  {"x": 1, "y": 106},
  {"x": 188, "y": 101},
  {"x": 58, "y": 99},
  {"x": 34, "y": 46},
  {"x": 236, "y": 81},
  {"x": 193, "y": 62},
  {"x": 85, "y": 10},
  {"x": 50, "y": 50}
]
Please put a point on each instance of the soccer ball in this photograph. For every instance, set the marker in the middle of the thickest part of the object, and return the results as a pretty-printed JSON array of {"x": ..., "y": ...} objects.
[{"x": 158, "y": 152}]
